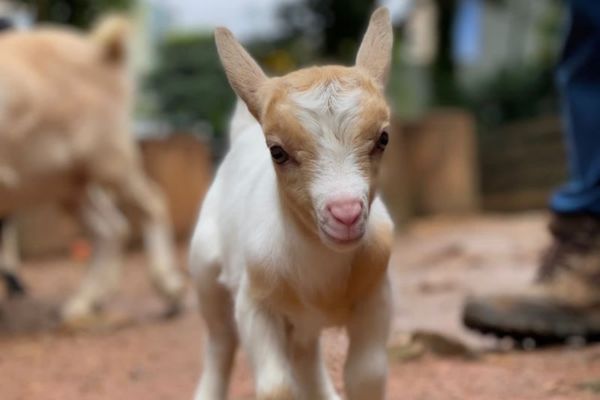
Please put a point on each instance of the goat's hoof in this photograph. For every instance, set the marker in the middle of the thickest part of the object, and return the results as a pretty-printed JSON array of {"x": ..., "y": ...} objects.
[
  {"x": 173, "y": 310},
  {"x": 95, "y": 322},
  {"x": 78, "y": 315},
  {"x": 173, "y": 290},
  {"x": 283, "y": 393},
  {"x": 14, "y": 285}
]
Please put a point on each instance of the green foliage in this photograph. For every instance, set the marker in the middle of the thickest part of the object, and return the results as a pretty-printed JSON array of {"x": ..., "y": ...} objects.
[
  {"x": 445, "y": 88},
  {"x": 550, "y": 30},
  {"x": 80, "y": 13},
  {"x": 522, "y": 90},
  {"x": 514, "y": 94},
  {"x": 189, "y": 85},
  {"x": 334, "y": 26}
]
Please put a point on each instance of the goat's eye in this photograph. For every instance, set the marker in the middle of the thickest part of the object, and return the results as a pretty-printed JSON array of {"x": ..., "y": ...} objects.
[
  {"x": 279, "y": 155},
  {"x": 383, "y": 140}
]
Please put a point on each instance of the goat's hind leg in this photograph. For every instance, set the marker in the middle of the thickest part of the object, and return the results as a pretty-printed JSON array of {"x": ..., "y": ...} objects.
[
  {"x": 144, "y": 199},
  {"x": 108, "y": 229},
  {"x": 216, "y": 307}
]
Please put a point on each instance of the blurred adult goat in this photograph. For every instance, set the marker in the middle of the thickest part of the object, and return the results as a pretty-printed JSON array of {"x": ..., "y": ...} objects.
[{"x": 65, "y": 138}]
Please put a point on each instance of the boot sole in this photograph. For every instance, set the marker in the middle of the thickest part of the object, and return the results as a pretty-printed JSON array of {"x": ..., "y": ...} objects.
[{"x": 542, "y": 325}]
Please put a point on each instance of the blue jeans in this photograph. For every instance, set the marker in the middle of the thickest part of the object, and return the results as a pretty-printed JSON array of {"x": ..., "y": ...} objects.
[{"x": 578, "y": 78}]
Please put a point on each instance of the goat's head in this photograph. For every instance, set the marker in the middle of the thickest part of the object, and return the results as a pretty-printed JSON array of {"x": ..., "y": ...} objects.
[{"x": 326, "y": 129}]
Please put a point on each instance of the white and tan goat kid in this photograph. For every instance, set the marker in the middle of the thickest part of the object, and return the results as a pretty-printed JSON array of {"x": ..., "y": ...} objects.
[{"x": 294, "y": 239}]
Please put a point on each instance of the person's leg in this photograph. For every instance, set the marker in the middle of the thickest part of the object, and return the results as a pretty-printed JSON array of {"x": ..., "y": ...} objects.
[
  {"x": 565, "y": 299},
  {"x": 578, "y": 78}
]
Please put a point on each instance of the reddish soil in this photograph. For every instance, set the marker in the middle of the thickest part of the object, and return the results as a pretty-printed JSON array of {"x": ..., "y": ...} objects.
[{"x": 436, "y": 263}]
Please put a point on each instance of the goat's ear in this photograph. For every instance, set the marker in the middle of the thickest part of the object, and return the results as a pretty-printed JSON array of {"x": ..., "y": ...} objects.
[
  {"x": 375, "y": 52},
  {"x": 244, "y": 74}
]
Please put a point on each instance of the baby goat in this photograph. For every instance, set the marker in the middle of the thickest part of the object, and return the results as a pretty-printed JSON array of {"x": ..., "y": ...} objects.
[{"x": 292, "y": 237}]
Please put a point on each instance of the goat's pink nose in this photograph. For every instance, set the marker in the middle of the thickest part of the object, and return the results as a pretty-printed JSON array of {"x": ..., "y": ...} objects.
[{"x": 346, "y": 212}]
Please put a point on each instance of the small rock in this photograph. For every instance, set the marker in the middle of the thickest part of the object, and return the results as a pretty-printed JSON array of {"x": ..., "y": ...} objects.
[{"x": 420, "y": 343}]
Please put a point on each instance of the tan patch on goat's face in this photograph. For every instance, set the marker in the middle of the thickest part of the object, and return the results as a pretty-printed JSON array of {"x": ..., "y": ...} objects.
[{"x": 328, "y": 120}]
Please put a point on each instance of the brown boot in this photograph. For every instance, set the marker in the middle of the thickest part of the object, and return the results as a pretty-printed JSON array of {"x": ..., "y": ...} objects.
[{"x": 564, "y": 302}]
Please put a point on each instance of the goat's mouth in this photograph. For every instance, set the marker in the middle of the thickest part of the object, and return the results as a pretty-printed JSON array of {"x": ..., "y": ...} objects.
[{"x": 346, "y": 237}]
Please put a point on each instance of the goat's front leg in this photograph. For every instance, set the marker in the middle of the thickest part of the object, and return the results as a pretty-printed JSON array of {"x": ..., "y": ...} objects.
[
  {"x": 108, "y": 229},
  {"x": 9, "y": 258},
  {"x": 311, "y": 375},
  {"x": 264, "y": 337},
  {"x": 365, "y": 372}
]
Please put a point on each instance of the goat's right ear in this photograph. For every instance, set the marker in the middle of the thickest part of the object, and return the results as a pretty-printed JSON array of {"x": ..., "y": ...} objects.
[{"x": 243, "y": 73}]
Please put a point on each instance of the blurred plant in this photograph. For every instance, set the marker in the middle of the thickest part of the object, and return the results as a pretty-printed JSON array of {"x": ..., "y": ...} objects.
[
  {"x": 513, "y": 94},
  {"x": 188, "y": 84},
  {"x": 282, "y": 55},
  {"x": 81, "y": 13},
  {"x": 550, "y": 30},
  {"x": 333, "y": 26},
  {"x": 444, "y": 83},
  {"x": 520, "y": 91}
]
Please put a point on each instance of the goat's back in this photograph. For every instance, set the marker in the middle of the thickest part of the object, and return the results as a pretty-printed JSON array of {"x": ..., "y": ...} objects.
[
  {"x": 55, "y": 80},
  {"x": 64, "y": 107}
]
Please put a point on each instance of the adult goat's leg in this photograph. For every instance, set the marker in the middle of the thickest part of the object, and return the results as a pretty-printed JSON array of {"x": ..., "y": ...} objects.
[
  {"x": 9, "y": 258},
  {"x": 107, "y": 229},
  {"x": 139, "y": 195}
]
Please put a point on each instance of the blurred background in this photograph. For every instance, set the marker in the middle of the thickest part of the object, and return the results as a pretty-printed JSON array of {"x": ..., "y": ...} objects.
[
  {"x": 476, "y": 149},
  {"x": 472, "y": 91}
]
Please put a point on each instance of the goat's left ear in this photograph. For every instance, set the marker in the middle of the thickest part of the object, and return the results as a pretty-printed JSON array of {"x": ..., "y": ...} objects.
[{"x": 375, "y": 52}]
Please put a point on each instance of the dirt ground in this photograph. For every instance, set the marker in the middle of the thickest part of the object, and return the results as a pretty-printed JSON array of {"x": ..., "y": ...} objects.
[{"x": 436, "y": 263}]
